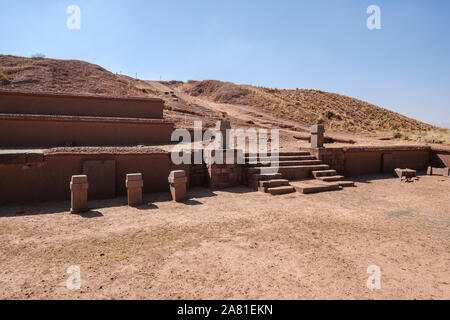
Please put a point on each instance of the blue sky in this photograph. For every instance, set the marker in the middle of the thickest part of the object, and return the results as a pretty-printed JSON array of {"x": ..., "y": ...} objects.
[{"x": 317, "y": 44}]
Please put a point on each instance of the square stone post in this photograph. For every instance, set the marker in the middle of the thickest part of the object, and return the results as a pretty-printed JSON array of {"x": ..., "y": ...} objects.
[
  {"x": 79, "y": 193},
  {"x": 178, "y": 181},
  {"x": 134, "y": 184},
  {"x": 223, "y": 126},
  {"x": 317, "y": 136}
]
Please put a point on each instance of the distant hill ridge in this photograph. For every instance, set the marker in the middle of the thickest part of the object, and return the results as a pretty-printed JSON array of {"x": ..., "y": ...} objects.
[
  {"x": 307, "y": 106},
  {"x": 302, "y": 105}
]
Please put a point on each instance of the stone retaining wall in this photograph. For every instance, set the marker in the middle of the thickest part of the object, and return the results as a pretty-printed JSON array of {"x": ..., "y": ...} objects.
[
  {"x": 440, "y": 157},
  {"x": 361, "y": 160},
  {"x": 48, "y": 177},
  {"x": 80, "y": 105},
  {"x": 45, "y": 131}
]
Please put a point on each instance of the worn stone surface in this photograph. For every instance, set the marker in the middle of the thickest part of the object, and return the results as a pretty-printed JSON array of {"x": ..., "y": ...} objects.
[
  {"x": 334, "y": 157},
  {"x": 177, "y": 176},
  {"x": 79, "y": 193},
  {"x": 102, "y": 178},
  {"x": 317, "y": 128},
  {"x": 178, "y": 185},
  {"x": 405, "y": 173},
  {"x": 317, "y": 136},
  {"x": 197, "y": 175},
  {"x": 438, "y": 171},
  {"x": 226, "y": 174},
  {"x": 134, "y": 184},
  {"x": 223, "y": 127},
  {"x": 387, "y": 162}
]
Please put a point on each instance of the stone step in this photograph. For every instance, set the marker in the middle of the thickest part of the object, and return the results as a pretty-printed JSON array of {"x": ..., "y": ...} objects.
[
  {"x": 273, "y": 183},
  {"x": 330, "y": 178},
  {"x": 280, "y": 190},
  {"x": 345, "y": 184},
  {"x": 287, "y": 154},
  {"x": 312, "y": 186},
  {"x": 285, "y": 163},
  {"x": 266, "y": 176},
  {"x": 322, "y": 173},
  {"x": 280, "y": 158},
  {"x": 290, "y": 172},
  {"x": 253, "y": 179}
]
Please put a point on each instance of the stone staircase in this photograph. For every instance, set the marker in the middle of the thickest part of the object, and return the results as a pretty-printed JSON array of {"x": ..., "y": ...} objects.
[{"x": 294, "y": 171}]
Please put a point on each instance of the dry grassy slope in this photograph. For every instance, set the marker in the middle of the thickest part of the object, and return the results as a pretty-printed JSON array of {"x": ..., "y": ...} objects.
[
  {"x": 307, "y": 106},
  {"x": 64, "y": 76}
]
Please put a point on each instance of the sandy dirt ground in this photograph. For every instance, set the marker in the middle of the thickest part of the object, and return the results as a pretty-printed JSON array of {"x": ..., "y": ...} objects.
[{"x": 236, "y": 244}]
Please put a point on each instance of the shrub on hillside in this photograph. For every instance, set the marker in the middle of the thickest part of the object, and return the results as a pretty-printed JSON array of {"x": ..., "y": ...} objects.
[
  {"x": 4, "y": 79},
  {"x": 397, "y": 135}
]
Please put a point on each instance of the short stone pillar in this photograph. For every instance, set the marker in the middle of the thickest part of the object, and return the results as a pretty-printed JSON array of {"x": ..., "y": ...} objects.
[
  {"x": 223, "y": 127},
  {"x": 134, "y": 184},
  {"x": 317, "y": 136},
  {"x": 79, "y": 194},
  {"x": 178, "y": 181}
]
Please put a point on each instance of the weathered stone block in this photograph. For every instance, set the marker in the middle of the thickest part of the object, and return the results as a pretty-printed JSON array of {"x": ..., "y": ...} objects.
[
  {"x": 178, "y": 185},
  {"x": 438, "y": 171},
  {"x": 405, "y": 173},
  {"x": 79, "y": 191},
  {"x": 317, "y": 141},
  {"x": 317, "y": 136},
  {"x": 102, "y": 178},
  {"x": 224, "y": 125},
  {"x": 134, "y": 184},
  {"x": 317, "y": 128}
]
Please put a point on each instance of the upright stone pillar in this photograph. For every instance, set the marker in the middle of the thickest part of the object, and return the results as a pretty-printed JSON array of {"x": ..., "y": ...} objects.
[
  {"x": 134, "y": 185},
  {"x": 317, "y": 136},
  {"x": 178, "y": 181},
  {"x": 223, "y": 127},
  {"x": 79, "y": 192}
]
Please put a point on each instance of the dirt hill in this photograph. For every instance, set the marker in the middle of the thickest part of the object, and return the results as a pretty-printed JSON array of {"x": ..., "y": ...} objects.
[
  {"x": 63, "y": 76},
  {"x": 307, "y": 106}
]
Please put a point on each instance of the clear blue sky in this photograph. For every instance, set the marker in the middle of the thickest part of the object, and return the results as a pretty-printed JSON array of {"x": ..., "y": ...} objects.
[{"x": 316, "y": 44}]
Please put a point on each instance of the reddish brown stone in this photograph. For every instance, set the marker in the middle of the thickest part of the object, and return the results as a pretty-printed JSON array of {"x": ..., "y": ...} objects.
[
  {"x": 79, "y": 191},
  {"x": 405, "y": 173},
  {"x": 317, "y": 136},
  {"x": 178, "y": 185},
  {"x": 438, "y": 171},
  {"x": 134, "y": 184}
]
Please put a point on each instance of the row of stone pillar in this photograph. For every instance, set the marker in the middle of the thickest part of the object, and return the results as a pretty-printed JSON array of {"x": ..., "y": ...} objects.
[{"x": 134, "y": 183}]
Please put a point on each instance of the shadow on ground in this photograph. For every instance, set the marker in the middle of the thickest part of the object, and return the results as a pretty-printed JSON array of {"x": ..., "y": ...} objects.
[{"x": 150, "y": 201}]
